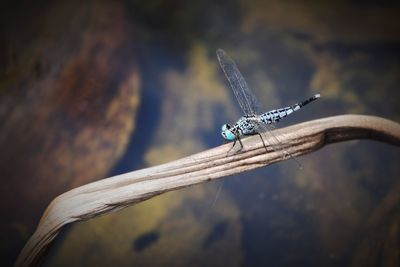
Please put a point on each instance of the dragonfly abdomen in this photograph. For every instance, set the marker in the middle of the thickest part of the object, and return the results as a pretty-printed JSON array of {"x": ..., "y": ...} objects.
[{"x": 277, "y": 114}]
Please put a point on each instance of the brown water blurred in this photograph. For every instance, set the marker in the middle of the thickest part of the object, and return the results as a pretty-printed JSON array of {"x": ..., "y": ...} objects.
[
  {"x": 73, "y": 76},
  {"x": 68, "y": 103}
]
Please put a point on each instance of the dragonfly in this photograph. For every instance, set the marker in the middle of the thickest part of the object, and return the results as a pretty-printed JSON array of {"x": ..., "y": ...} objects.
[{"x": 251, "y": 123}]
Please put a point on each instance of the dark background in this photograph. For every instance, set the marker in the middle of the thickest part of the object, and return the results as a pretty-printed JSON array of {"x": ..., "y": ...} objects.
[{"x": 100, "y": 88}]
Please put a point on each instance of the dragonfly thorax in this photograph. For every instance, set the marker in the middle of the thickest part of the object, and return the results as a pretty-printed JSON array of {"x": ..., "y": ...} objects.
[
  {"x": 247, "y": 125},
  {"x": 244, "y": 126}
]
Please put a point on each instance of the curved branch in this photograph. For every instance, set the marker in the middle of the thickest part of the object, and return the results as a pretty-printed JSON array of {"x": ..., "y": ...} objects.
[{"x": 120, "y": 191}]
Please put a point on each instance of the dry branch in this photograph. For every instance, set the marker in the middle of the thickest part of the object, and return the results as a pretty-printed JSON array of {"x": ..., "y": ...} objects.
[{"x": 120, "y": 191}]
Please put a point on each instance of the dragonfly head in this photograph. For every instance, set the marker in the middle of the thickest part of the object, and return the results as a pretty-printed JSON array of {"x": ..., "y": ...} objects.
[{"x": 226, "y": 132}]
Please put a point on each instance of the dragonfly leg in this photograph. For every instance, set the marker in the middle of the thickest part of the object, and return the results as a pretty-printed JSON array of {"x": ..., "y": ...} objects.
[
  {"x": 240, "y": 142},
  {"x": 234, "y": 143},
  {"x": 262, "y": 139}
]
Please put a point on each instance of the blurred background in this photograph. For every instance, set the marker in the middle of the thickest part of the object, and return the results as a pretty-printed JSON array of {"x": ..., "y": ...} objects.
[{"x": 100, "y": 88}]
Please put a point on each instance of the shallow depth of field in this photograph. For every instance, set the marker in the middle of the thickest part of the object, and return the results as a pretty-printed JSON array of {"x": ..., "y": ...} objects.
[{"x": 96, "y": 89}]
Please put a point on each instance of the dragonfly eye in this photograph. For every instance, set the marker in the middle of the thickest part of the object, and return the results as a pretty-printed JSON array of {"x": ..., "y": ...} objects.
[{"x": 227, "y": 133}]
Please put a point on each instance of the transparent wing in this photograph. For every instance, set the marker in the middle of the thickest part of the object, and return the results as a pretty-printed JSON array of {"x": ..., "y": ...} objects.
[
  {"x": 266, "y": 131},
  {"x": 247, "y": 100}
]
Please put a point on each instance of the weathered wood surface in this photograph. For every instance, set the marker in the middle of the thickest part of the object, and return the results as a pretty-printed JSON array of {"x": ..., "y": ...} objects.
[{"x": 120, "y": 191}]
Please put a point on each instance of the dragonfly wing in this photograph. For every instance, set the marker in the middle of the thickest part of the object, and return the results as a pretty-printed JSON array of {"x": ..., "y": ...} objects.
[
  {"x": 247, "y": 101},
  {"x": 266, "y": 133}
]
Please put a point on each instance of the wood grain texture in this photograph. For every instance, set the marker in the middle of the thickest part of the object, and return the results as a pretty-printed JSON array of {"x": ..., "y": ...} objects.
[{"x": 120, "y": 191}]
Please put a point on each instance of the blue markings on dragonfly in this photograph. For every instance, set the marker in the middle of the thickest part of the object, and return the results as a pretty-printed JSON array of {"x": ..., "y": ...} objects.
[{"x": 251, "y": 123}]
